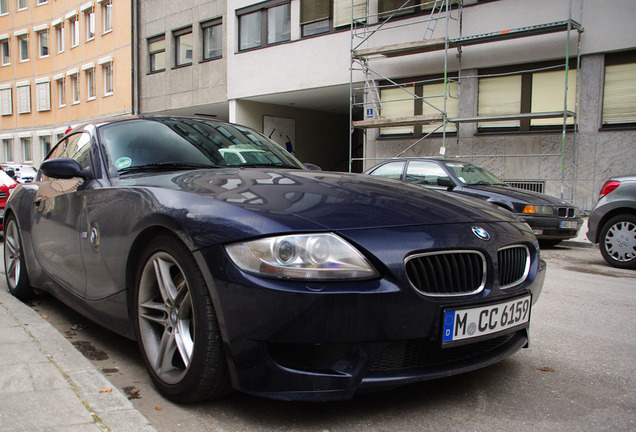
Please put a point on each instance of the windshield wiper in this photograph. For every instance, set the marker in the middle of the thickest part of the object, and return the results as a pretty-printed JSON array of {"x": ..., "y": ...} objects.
[{"x": 164, "y": 166}]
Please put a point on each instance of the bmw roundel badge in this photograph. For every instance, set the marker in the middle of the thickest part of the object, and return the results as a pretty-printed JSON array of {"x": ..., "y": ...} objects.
[{"x": 481, "y": 233}]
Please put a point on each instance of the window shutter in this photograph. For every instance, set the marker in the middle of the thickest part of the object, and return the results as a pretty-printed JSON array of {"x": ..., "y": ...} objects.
[
  {"x": 547, "y": 95},
  {"x": 342, "y": 11},
  {"x": 434, "y": 95},
  {"x": 498, "y": 96},
  {"x": 313, "y": 10},
  {"x": 24, "y": 99},
  {"x": 5, "y": 101},
  {"x": 397, "y": 102},
  {"x": 44, "y": 96},
  {"x": 619, "y": 97}
]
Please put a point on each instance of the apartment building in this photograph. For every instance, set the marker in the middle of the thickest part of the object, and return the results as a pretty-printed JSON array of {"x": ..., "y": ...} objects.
[
  {"x": 62, "y": 62},
  {"x": 541, "y": 93}
]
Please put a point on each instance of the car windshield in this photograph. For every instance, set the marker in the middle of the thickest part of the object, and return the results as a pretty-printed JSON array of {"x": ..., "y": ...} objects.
[
  {"x": 176, "y": 143},
  {"x": 471, "y": 175}
]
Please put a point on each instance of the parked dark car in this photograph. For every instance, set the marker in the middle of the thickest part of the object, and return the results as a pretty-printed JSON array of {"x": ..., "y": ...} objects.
[
  {"x": 267, "y": 278},
  {"x": 612, "y": 222},
  {"x": 7, "y": 184},
  {"x": 552, "y": 219}
]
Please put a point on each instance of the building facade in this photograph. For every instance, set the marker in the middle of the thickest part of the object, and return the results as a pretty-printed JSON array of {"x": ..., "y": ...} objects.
[
  {"x": 62, "y": 62},
  {"x": 499, "y": 82}
]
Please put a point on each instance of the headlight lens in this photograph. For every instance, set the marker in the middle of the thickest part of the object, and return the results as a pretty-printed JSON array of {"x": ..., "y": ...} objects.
[
  {"x": 303, "y": 257},
  {"x": 533, "y": 209}
]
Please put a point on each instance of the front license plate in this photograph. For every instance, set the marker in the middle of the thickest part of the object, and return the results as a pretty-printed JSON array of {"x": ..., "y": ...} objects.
[
  {"x": 568, "y": 224},
  {"x": 470, "y": 323}
]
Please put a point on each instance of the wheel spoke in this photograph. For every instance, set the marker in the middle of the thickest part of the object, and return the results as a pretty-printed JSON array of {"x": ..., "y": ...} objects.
[
  {"x": 167, "y": 347},
  {"x": 164, "y": 281}
]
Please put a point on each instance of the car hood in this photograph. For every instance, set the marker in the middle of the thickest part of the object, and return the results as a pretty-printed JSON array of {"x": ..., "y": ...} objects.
[
  {"x": 519, "y": 194},
  {"x": 302, "y": 200}
]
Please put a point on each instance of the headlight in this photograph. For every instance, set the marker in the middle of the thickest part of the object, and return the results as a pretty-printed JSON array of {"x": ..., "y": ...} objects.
[
  {"x": 533, "y": 209},
  {"x": 303, "y": 256}
]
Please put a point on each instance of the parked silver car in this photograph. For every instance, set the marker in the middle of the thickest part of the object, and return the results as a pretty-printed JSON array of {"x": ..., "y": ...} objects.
[{"x": 612, "y": 222}]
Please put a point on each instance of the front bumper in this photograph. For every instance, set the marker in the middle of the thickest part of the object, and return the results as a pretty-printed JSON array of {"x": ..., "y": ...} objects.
[
  {"x": 304, "y": 341},
  {"x": 550, "y": 228}
]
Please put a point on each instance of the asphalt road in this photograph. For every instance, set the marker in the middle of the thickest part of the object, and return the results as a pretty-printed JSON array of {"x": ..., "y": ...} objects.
[{"x": 579, "y": 373}]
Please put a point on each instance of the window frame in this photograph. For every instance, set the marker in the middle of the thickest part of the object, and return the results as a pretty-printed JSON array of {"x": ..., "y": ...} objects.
[
  {"x": 60, "y": 37},
  {"x": 612, "y": 60},
  {"x": 526, "y": 73},
  {"x": 43, "y": 95},
  {"x": 5, "y": 51},
  {"x": 74, "y": 33},
  {"x": 261, "y": 10},
  {"x": 41, "y": 46},
  {"x": 107, "y": 78},
  {"x": 4, "y": 7},
  {"x": 154, "y": 54},
  {"x": 25, "y": 5},
  {"x": 76, "y": 94},
  {"x": 89, "y": 23},
  {"x": 22, "y": 40},
  {"x": 91, "y": 85},
  {"x": 177, "y": 36},
  {"x": 107, "y": 16},
  {"x": 213, "y": 24},
  {"x": 60, "y": 86},
  {"x": 7, "y": 149},
  {"x": 26, "y": 148}
]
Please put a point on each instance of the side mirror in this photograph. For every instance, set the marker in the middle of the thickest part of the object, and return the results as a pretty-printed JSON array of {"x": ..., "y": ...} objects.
[
  {"x": 63, "y": 168},
  {"x": 446, "y": 182}
]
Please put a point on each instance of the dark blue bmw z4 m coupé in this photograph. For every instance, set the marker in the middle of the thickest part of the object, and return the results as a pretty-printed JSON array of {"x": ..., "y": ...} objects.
[{"x": 234, "y": 267}]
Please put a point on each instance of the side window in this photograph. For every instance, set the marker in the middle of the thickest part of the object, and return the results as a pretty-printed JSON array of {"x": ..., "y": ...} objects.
[
  {"x": 424, "y": 173},
  {"x": 76, "y": 147},
  {"x": 391, "y": 170}
]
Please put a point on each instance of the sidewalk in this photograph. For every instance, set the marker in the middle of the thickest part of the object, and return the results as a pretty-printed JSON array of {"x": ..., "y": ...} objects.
[{"x": 46, "y": 384}]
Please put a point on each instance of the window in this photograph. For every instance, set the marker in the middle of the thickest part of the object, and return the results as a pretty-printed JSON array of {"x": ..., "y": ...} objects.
[
  {"x": 7, "y": 149},
  {"x": 61, "y": 92},
  {"x": 342, "y": 11},
  {"x": 107, "y": 16},
  {"x": 59, "y": 35},
  {"x": 183, "y": 46},
  {"x": 75, "y": 31},
  {"x": 107, "y": 78},
  {"x": 43, "y": 43},
  {"x": 619, "y": 92},
  {"x": 4, "y": 7},
  {"x": 41, "y": 2},
  {"x": 420, "y": 98},
  {"x": 314, "y": 16},
  {"x": 23, "y": 44},
  {"x": 157, "y": 53},
  {"x": 43, "y": 95},
  {"x": 27, "y": 153},
  {"x": 45, "y": 144},
  {"x": 6, "y": 104},
  {"x": 24, "y": 97},
  {"x": 89, "y": 19},
  {"x": 392, "y": 170},
  {"x": 212, "y": 39},
  {"x": 264, "y": 24},
  {"x": 22, "y": 4},
  {"x": 5, "y": 51},
  {"x": 89, "y": 74},
  {"x": 531, "y": 91},
  {"x": 75, "y": 88},
  {"x": 424, "y": 173}
]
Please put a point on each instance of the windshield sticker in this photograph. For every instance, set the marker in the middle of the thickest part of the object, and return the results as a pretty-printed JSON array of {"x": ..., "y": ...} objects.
[{"x": 123, "y": 162}]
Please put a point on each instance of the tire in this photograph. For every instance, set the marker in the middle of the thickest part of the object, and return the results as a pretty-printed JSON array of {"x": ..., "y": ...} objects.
[
  {"x": 14, "y": 268},
  {"x": 176, "y": 325},
  {"x": 617, "y": 241}
]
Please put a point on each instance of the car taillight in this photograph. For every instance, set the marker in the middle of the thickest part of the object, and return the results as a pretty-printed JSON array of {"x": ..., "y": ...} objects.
[{"x": 608, "y": 187}]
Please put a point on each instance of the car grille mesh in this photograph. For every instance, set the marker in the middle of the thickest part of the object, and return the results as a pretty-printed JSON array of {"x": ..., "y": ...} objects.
[
  {"x": 420, "y": 353},
  {"x": 514, "y": 265},
  {"x": 3, "y": 195},
  {"x": 566, "y": 212},
  {"x": 444, "y": 274}
]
